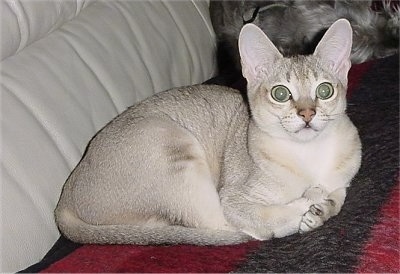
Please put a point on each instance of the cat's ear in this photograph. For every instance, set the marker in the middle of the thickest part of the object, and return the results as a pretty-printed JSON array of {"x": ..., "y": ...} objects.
[
  {"x": 335, "y": 47},
  {"x": 256, "y": 50}
]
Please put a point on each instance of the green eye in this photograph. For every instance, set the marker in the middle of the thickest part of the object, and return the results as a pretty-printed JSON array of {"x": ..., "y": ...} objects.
[
  {"x": 281, "y": 94},
  {"x": 324, "y": 91}
]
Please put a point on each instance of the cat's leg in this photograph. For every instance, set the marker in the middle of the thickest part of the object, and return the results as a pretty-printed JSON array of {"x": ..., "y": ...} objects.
[
  {"x": 262, "y": 221},
  {"x": 329, "y": 206},
  {"x": 203, "y": 208},
  {"x": 284, "y": 220}
]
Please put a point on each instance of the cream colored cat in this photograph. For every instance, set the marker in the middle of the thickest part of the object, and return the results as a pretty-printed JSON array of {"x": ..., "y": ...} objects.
[{"x": 199, "y": 165}]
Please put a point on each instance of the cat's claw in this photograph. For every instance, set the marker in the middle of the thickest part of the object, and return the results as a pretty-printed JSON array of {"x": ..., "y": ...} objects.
[
  {"x": 315, "y": 216},
  {"x": 317, "y": 210},
  {"x": 310, "y": 222}
]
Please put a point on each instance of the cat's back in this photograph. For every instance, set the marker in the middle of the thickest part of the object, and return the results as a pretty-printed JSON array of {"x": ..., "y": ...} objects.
[
  {"x": 206, "y": 111},
  {"x": 180, "y": 123},
  {"x": 199, "y": 100},
  {"x": 191, "y": 107}
]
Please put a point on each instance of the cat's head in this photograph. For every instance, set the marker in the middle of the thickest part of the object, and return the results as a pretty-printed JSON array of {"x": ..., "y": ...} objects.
[{"x": 296, "y": 97}]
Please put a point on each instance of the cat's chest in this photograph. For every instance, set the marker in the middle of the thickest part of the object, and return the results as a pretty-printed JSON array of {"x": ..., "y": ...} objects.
[
  {"x": 309, "y": 163},
  {"x": 315, "y": 160}
]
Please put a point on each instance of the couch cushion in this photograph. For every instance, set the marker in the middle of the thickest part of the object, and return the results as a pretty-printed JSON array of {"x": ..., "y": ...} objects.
[{"x": 69, "y": 67}]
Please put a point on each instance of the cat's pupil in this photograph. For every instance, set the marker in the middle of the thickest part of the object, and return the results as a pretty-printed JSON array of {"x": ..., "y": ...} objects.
[
  {"x": 324, "y": 91},
  {"x": 280, "y": 93}
]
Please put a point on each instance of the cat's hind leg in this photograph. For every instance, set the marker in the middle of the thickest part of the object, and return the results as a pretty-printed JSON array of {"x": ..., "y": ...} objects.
[
  {"x": 148, "y": 181},
  {"x": 183, "y": 184}
]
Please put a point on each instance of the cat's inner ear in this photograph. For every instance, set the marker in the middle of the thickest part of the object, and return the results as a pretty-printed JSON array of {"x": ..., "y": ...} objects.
[
  {"x": 256, "y": 50},
  {"x": 335, "y": 47}
]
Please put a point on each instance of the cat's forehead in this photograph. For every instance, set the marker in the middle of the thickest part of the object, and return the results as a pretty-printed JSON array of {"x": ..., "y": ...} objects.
[
  {"x": 300, "y": 74},
  {"x": 301, "y": 68}
]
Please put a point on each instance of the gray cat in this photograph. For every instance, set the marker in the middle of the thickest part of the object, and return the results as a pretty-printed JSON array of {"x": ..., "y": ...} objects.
[
  {"x": 199, "y": 165},
  {"x": 296, "y": 26}
]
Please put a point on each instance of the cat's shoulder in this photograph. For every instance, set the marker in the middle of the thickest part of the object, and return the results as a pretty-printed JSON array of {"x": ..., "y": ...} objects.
[
  {"x": 208, "y": 90},
  {"x": 215, "y": 94}
]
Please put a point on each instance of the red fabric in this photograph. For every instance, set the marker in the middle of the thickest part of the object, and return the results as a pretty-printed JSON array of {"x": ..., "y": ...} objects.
[
  {"x": 153, "y": 259},
  {"x": 355, "y": 74},
  {"x": 382, "y": 251}
]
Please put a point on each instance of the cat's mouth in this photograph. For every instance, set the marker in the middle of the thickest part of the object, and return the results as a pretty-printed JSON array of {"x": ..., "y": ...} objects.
[
  {"x": 306, "y": 127},
  {"x": 306, "y": 132}
]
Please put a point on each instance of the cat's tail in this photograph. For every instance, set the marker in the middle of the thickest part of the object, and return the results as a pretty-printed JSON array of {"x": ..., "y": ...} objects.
[{"x": 79, "y": 231}]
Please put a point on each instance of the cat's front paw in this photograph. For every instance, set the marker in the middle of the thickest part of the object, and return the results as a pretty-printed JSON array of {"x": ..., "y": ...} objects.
[
  {"x": 316, "y": 194},
  {"x": 315, "y": 216}
]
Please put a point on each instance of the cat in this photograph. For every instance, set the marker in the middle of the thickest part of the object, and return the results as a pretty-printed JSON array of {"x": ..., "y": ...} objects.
[
  {"x": 295, "y": 26},
  {"x": 201, "y": 165}
]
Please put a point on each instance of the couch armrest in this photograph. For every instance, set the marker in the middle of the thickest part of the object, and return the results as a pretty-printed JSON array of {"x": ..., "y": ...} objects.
[{"x": 69, "y": 67}]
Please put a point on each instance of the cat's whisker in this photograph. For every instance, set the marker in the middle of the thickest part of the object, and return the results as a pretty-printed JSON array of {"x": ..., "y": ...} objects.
[{"x": 335, "y": 114}]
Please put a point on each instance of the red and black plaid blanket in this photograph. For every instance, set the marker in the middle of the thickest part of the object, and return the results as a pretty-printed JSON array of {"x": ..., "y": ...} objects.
[{"x": 364, "y": 237}]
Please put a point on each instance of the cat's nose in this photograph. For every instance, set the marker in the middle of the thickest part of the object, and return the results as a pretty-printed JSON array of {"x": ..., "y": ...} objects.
[{"x": 307, "y": 114}]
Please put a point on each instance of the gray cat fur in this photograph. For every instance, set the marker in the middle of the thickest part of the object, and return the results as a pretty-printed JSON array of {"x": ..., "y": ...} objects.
[{"x": 295, "y": 26}]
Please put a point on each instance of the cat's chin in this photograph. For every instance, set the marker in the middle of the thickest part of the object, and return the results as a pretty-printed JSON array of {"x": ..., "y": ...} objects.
[{"x": 305, "y": 134}]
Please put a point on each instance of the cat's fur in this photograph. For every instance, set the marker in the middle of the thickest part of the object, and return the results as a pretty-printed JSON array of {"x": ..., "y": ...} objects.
[
  {"x": 295, "y": 26},
  {"x": 200, "y": 165}
]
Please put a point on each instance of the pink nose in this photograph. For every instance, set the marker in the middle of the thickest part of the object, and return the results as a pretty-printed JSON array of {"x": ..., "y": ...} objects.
[{"x": 307, "y": 114}]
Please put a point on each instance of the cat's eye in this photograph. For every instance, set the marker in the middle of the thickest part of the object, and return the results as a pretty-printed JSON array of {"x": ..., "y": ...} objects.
[
  {"x": 324, "y": 91},
  {"x": 281, "y": 94}
]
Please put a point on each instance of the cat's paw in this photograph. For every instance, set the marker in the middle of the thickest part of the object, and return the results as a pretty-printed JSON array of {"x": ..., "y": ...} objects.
[
  {"x": 316, "y": 194},
  {"x": 315, "y": 216}
]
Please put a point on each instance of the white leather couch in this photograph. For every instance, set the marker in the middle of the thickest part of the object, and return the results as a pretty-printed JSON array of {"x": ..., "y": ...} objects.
[{"x": 67, "y": 68}]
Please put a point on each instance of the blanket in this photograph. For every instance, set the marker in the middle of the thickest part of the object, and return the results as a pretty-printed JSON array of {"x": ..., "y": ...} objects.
[{"x": 363, "y": 237}]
